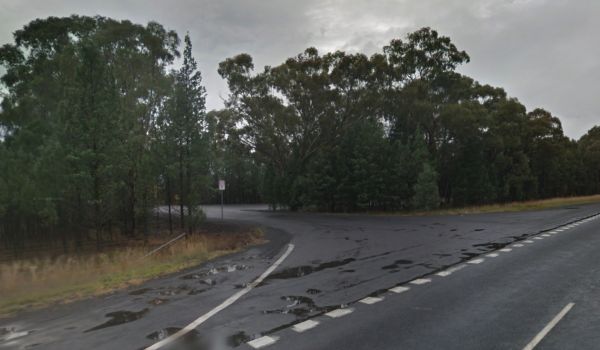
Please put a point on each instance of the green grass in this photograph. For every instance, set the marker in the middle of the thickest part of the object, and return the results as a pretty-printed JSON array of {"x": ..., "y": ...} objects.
[{"x": 35, "y": 283}]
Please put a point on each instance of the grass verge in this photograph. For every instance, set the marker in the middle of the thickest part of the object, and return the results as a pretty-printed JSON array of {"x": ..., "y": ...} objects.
[
  {"x": 35, "y": 283},
  {"x": 513, "y": 206}
]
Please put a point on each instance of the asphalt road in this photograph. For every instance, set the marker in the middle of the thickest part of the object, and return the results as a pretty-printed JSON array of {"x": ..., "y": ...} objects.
[{"x": 333, "y": 289}]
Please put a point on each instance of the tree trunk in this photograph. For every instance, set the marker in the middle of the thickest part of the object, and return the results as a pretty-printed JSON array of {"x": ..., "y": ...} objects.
[{"x": 169, "y": 204}]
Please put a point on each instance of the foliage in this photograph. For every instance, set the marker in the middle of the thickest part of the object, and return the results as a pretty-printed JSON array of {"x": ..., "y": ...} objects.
[
  {"x": 97, "y": 129},
  {"x": 345, "y": 132}
]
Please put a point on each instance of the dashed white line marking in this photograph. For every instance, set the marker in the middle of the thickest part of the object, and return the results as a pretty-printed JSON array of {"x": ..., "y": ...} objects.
[
  {"x": 476, "y": 261},
  {"x": 528, "y": 241},
  {"x": 506, "y": 250},
  {"x": 304, "y": 326},
  {"x": 545, "y": 235},
  {"x": 263, "y": 341},
  {"x": 370, "y": 300},
  {"x": 518, "y": 245},
  {"x": 451, "y": 270},
  {"x": 339, "y": 312},
  {"x": 538, "y": 238},
  {"x": 399, "y": 289},
  {"x": 538, "y": 338},
  {"x": 560, "y": 230},
  {"x": 420, "y": 281},
  {"x": 232, "y": 299},
  {"x": 492, "y": 255}
]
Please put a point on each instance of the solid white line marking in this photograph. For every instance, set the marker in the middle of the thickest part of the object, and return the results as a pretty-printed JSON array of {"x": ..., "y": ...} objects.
[
  {"x": 339, "y": 312},
  {"x": 420, "y": 281},
  {"x": 370, "y": 300},
  {"x": 518, "y": 245},
  {"x": 232, "y": 299},
  {"x": 506, "y": 250},
  {"x": 399, "y": 289},
  {"x": 304, "y": 326},
  {"x": 262, "y": 342},
  {"x": 493, "y": 255},
  {"x": 476, "y": 261},
  {"x": 538, "y": 338}
]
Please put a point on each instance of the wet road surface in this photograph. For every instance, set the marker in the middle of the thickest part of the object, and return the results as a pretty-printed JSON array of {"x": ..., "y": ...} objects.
[{"x": 333, "y": 290}]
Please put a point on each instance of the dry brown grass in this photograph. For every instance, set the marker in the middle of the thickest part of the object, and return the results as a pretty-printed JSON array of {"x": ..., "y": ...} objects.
[
  {"x": 37, "y": 282},
  {"x": 513, "y": 206}
]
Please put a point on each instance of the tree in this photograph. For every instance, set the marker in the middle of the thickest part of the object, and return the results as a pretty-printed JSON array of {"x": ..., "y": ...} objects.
[
  {"x": 183, "y": 129},
  {"x": 426, "y": 195}
]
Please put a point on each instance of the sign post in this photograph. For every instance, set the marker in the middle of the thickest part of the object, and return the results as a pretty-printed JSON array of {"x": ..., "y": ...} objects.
[{"x": 221, "y": 189}]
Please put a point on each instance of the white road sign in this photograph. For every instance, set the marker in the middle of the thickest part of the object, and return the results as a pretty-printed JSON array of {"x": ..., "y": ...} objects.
[{"x": 221, "y": 185}]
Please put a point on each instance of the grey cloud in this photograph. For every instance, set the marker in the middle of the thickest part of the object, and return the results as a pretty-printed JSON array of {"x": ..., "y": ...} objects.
[{"x": 542, "y": 51}]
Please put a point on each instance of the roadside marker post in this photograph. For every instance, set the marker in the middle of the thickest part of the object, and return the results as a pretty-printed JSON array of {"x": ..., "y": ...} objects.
[{"x": 221, "y": 189}]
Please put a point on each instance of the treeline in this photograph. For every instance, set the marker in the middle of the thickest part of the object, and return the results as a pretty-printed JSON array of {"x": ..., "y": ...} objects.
[
  {"x": 97, "y": 130},
  {"x": 399, "y": 130}
]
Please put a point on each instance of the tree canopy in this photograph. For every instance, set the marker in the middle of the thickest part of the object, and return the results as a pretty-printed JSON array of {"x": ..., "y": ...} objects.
[{"x": 102, "y": 121}]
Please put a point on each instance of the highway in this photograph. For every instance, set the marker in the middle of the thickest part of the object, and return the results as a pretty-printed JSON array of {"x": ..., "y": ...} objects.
[{"x": 483, "y": 281}]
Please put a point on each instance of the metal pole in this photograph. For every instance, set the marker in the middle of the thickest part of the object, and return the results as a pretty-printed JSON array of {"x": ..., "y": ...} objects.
[{"x": 221, "y": 205}]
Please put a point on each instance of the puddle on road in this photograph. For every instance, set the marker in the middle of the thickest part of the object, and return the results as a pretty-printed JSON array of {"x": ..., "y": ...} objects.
[
  {"x": 216, "y": 270},
  {"x": 299, "y": 271},
  {"x": 396, "y": 264},
  {"x": 163, "y": 333},
  {"x": 300, "y": 306},
  {"x": 491, "y": 245},
  {"x": 11, "y": 333},
  {"x": 191, "y": 340},
  {"x": 171, "y": 291},
  {"x": 120, "y": 317},
  {"x": 238, "y": 339}
]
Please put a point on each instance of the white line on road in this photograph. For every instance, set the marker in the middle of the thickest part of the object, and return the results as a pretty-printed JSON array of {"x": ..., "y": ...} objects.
[
  {"x": 493, "y": 255},
  {"x": 506, "y": 250},
  {"x": 399, "y": 289},
  {"x": 232, "y": 299},
  {"x": 262, "y": 342},
  {"x": 304, "y": 326},
  {"x": 339, "y": 312},
  {"x": 475, "y": 261},
  {"x": 451, "y": 270},
  {"x": 370, "y": 300},
  {"x": 420, "y": 281},
  {"x": 518, "y": 245},
  {"x": 538, "y": 338},
  {"x": 528, "y": 241},
  {"x": 546, "y": 235},
  {"x": 538, "y": 238}
]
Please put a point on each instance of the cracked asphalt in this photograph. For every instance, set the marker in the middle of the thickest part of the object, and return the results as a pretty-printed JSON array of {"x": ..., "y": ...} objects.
[{"x": 502, "y": 302}]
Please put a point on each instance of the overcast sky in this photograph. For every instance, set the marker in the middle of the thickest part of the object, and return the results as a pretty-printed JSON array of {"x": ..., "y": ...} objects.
[{"x": 544, "y": 52}]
